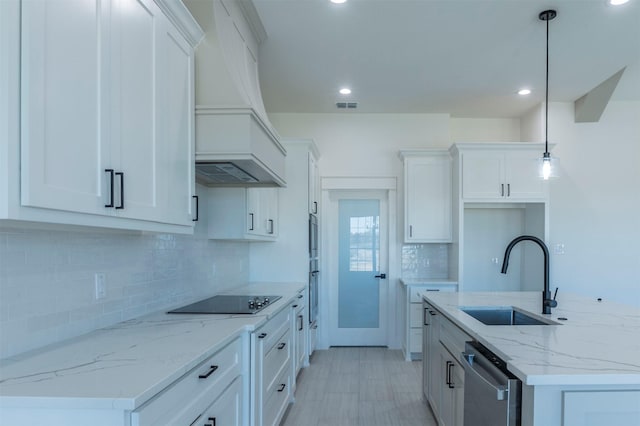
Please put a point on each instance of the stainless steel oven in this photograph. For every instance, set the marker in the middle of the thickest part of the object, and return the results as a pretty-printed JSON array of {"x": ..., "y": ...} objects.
[
  {"x": 492, "y": 395},
  {"x": 313, "y": 236},
  {"x": 313, "y": 269}
]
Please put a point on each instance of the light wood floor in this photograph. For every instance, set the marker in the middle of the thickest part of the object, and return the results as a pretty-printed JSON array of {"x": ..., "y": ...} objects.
[{"x": 359, "y": 387}]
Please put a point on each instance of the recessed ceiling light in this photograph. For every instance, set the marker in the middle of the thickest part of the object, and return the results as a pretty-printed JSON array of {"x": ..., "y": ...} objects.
[
  {"x": 617, "y": 2},
  {"x": 524, "y": 92},
  {"x": 345, "y": 91},
  {"x": 338, "y": 1}
]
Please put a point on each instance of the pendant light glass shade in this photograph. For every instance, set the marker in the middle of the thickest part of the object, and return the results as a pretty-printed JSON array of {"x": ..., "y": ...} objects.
[{"x": 548, "y": 166}]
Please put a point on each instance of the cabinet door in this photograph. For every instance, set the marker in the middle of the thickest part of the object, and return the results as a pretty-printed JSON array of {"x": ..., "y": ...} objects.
[
  {"x": 63, "y": 138},
  {"x": 135, "y": 126},
  {"x": 177, "y": 156},
  {"x": 483, "y": 175},
  {"x": 452, "y": 385},
  {"x": 262, "y": 212},
  {"x": 313, "y": 185},
  {"x": 253, "y": 211},
  {"x": 271, "y": 210},
  {"x": 522, "y": 175},
  {"x": 428, "y": 199},
  {"x": 433, "y": 362}
]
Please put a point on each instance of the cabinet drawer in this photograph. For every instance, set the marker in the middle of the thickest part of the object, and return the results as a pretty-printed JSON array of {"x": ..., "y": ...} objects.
[
  {"x": 416, "y": 340},
  {"x": 277, "y": 399},
  {"x": 274, "y": 329},
  {"x": 181, "y": 401},
  {"x": 415, "y": 315},
  {"x": 277, "y": 359},
  {"x": 417, "y": 291},
  {"x": 299, "y": 303},
  {"x": 452, "y": 337},
  {"x": 226, "y": 410}
]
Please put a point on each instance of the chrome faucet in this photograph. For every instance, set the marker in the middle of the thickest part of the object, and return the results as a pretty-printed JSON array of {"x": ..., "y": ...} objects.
[{"x": 547, "y": 301}]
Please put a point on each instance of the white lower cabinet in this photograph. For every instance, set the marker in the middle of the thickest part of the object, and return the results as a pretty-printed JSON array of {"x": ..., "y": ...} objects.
[
  {"x": 300, "y": 326},
  {"x": 215, "y": 387},
  {"x": 412, "y": 318},
  {"x": 443, "y": 376},
  {"x": 271, "y": 371}
]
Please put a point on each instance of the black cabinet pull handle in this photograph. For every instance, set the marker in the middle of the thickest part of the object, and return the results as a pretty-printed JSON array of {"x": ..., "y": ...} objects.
[
  {"x": 301, "y": 326},
  {"x": 121, "y": 174},
  {"x": 208, "y": 373},
  {"x": 281, "y": 345},
  {"x": 410, "y": 231},
  {"x": 449, "y": 379},
  {"x": 251, "y": 227},
  {"x": 110, "y": 171},
  {"x": 195, "y": 197},
  {"x": 281, "y": 388},
  {"x": 424, "y": 316},
  {"x": 502, "y": 190},
  {"x": 262, "y": 335},
  {"x": 294, "y": 306},
  {"x": 315, "y": 207},
  {"x": 271, "y": 226},
  {"x": 300, "y": 296}
]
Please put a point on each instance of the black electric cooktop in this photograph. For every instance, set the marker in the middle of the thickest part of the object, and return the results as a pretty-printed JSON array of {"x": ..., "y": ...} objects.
[{"x": 224, "y": 304}]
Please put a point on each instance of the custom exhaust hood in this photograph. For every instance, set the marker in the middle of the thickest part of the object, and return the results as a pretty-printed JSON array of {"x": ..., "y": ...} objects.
[{"x": 235, "y": 142}]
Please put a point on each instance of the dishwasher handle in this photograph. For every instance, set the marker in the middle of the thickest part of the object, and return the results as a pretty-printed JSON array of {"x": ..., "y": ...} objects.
[{"x": 472, "y": 367}]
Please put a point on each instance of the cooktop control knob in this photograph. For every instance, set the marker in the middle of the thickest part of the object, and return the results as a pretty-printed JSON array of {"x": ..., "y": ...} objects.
[{"x": 266, "y": 300}]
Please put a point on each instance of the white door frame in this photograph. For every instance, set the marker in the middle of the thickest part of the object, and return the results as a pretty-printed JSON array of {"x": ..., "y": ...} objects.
[{"x": 387, "y": 185}]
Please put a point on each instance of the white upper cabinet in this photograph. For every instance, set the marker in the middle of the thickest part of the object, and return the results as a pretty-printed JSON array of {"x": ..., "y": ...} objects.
[
  {"x": 135, "y": 115},
  {"x": 503, "y": 173},
  {"x": 64, "y": 144},
  {"x": 107, "y": 104},
  {"x": 427, "y": 196},
  {"x": 249, "y": 214}
]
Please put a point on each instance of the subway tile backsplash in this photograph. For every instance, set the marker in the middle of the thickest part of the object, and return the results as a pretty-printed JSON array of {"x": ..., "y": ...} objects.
[
  {"x": 47, "y": 279},
  {"x": 425, "y": 261}
]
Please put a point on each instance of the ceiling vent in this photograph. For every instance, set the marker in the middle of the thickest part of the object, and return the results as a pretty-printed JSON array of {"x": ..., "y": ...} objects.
[{"x": 347, "y": 105}]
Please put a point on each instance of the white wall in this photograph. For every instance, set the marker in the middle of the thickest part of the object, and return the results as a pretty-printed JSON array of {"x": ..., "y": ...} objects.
[
  {"x": 47, "y": 278},
  {"x": 485, "y": 130},
  {"x": 595, "y": 203}
]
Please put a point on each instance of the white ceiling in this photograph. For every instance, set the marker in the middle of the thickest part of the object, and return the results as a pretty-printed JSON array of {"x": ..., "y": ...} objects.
[{"x": 464, "y": 57}]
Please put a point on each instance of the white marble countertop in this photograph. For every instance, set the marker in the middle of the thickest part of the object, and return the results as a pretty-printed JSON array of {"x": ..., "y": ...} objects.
[
  {"x": 598, "y": 344},
  {"x": 125, "y": 365}
]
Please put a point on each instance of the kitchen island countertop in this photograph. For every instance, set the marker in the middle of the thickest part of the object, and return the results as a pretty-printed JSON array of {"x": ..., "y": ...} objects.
[{"x": 597, "y": 344}]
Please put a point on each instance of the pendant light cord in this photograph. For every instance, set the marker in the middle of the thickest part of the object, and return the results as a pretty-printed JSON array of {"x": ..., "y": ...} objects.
[{"x": 546, "y": 102}]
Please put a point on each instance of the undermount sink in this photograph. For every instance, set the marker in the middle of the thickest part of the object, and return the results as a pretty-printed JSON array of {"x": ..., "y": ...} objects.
[{"x": 491, "y": 315}]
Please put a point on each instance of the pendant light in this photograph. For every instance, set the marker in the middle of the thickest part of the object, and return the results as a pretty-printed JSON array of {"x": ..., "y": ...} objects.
[{"x": 546, "y": 167}]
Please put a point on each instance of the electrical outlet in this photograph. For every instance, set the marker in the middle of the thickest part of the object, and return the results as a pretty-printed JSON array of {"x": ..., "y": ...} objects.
[
  {"x": 558, "y": 248},
  {"x": 101, "y": 285}
]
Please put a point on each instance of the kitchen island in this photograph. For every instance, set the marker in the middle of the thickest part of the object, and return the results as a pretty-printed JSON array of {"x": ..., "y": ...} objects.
[
  {"x": 104, "y": 377},
  {"x": 584, "y": 365}
]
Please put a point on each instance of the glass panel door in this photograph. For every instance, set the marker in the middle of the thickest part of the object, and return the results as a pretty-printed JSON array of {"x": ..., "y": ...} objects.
[{"x": 358, "y": 296}]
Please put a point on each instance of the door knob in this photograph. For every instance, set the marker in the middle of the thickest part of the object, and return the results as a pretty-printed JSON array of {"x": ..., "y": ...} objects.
[{"x": 381, "y": 276}]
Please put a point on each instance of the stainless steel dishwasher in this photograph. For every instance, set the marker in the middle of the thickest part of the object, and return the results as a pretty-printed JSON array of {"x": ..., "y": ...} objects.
[{"x": 492, "y": 395}]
